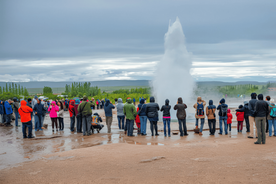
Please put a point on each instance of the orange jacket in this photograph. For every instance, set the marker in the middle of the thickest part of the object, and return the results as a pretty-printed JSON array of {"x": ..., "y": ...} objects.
[{"x": 25, "y": 112}]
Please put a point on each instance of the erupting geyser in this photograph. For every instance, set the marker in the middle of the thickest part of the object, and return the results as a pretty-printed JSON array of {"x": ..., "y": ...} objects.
[{"x": 172, "y": 77}]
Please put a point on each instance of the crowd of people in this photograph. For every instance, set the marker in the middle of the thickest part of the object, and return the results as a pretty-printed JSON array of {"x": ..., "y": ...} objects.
[{"x": 256, "y": 112}]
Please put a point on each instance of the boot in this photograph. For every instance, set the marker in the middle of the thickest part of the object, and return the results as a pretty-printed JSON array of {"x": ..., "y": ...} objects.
[
  {"x": 200, "y": 133},
  {"x": 196, "y": 127},
  {"x": 156, "y": 130}
]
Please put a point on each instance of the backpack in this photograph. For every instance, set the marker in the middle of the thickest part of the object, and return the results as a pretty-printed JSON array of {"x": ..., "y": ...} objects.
[
  {"x": 95, "y": 119},
  {"x": 273, "y": 112},
  {"x": 223, "y": 110},
  {"x": 200, "y": 110}
]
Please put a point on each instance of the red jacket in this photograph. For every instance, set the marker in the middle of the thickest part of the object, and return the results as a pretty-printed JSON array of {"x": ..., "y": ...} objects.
[
  {"x": 25, "y": 112},
  {"x": 71, "y": 108},
  {"x": 240, "y": 116},
  {"x": 137, "y": 119},
  {"x": 229, "y": 117}
]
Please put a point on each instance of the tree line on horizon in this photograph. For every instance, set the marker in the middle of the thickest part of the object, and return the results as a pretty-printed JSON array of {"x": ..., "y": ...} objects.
[{"x": 11, "y": 90}]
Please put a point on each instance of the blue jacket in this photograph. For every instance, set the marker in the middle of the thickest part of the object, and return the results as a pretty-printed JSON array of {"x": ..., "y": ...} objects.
[
  {"x": 8, "y": 108},
  {"x": 1, "y": 107},
  {"x": 108, "y": 108},
  {"x": 39, "y": 108},
  {"x": 143, "y": 110}
]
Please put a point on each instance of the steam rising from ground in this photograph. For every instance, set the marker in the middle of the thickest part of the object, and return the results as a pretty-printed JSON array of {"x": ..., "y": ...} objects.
[{"x": 173, "y": 78}]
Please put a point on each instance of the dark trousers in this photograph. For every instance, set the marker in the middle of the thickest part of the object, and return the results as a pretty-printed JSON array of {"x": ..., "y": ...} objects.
[
  {"x": 247, "y": 124},
  {"x": 266, "y": 128},
  {"x": 212, "y": 126},
  {"x": 61, "y": 123},
  {"x": 28, "y": 125},
  {"x": 153, "y": 126},
  {"x": 98, "y": 106},
  {"x": 72, "y": 123},
  {"x": 182, "y": 125},
  {"x": 129, "y": 125},
  {"x": 54, "y": 123},
  {"x": 240, "y": 126},
  {"x": 79, "y": 124},
  {"x": 8, "y": 118},
  {"x": 260, "y": 125},
  {"x": 121, "y": 119},
  {"x": 86, "y": 125},
  {"x": 229, "y": 126}
]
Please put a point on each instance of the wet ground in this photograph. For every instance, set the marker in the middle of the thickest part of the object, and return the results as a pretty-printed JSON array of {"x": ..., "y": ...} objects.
[{"x": 15, "y": 150}]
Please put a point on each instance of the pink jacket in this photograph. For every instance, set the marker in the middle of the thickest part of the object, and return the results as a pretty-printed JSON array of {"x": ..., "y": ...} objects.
[{"x": 53, "y": 110}]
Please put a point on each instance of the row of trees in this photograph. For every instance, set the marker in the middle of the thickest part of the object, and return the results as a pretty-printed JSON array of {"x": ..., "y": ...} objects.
[
  {"x": 12, "y": 90},
  {"x": 80, "y": 89},
  {"x": 133, "y": 90}
]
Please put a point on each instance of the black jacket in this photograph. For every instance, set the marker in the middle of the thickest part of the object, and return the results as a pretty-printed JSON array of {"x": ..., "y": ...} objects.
[
  {"x": 245, "y": 109},
  {"x": 180, "y": 107},
  {"x": 152, "y": 109},
  {"x": 166, "y": 109},
  {"x": 251, "y": 107},
  {"x": 261, "y": 109}
]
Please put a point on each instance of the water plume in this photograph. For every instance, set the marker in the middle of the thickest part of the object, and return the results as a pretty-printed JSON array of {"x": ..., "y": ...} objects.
[{"x": 172, "y": 76}]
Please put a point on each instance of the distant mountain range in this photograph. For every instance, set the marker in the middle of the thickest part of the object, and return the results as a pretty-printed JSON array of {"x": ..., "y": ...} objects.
[{"x": 41, "y": 84}]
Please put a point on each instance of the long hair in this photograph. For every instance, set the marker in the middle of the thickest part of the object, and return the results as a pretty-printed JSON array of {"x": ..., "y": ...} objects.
[{"x": 61, "y": 104}]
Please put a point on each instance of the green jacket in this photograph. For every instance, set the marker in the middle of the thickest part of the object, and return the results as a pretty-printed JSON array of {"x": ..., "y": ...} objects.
[
  {"x": 86, "y": 106},
  {"x": 130, "y": 110}
]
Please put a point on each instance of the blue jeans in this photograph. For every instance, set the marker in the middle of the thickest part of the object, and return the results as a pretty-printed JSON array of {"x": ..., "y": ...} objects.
[
  {"x": 167, "y": 121},
  {"x": 38, "y": 120},
  {"x": 28, "y": 125},
  {"x": 16, "y": 118},
  {"x": 224, "y": 119},
  {"x": 42, "y": 120},
  {"x": 270, "y": 124},
  {"x": 8, "y": 118},
  {"x": 79, "y": 124},
  {"x": 86, "y": 125},
  {"x": 2, "y": 118},
  {"x": 129, "y": 124},
  {"x": 72, "y": 123},
  {"x": 143, "y": 120},
  {"x": 182, "y": 123},
  {"x": 121, "y": 119},
  {"x": 201, "y": 124}
]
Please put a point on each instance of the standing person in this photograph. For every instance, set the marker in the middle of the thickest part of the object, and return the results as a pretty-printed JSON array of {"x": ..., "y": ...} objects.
[
  {"x": 53, "y": 109},
  {"x": 29, "y": 104},
  {"x": 45, "y": 105},
  {"x": 211, "y": 115},
  {"x": 166, "y": 117},
  {"x": 120, "y": 114},
  {"x": 85, "y": 110},
  {"x": 130, "y": 113},
  {"x": 223, "y": 108},
  {"x": 2, "y": 111},
  {"x": 181, "y": 116},
  {"x": 271, "y": 117},
  {"x": 9, "y": 112},
  {"x": 34, "y": 101},
  {"x": 25, "y": 116},
  {"x": 152, "y": 109},
  {"x": 102, "y": 103},
  {"x": 38, "y": 111},
  {"x": 138, "y": 122},
  {"x": 134, "y": 101},
  {"x": 246, "y": 115},
  {"x": 15, "y": 110},
  {"x": 97, "y": 103},
  {"x": 73, "y": 114},
  {"x": 79, "y": 117},
  {"x": 240, "y": 118},
  {"x": 108, "y": 114},
  {"x": 261, "y": 111},
  {"x": 229, "y": 120},
  {"x": 60, "y": 115},
  {"x": 143, "y": 116},
  {"x": 267, "y": 99},
  {"x": 251, "y": 107},
  {"x": 93, "y": 103},
  {"x": 199, "y": 106}
]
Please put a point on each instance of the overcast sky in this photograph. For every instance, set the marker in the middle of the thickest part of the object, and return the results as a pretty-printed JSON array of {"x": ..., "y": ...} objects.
[{"x": 90, "y": 40}]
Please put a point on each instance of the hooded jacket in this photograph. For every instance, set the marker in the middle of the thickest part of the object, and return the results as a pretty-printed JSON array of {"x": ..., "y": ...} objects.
[
  {"x": 222, "y": 105},
  {"x": 15, "y": 106},
  {"x": 25, "y": 112},
  {"x": 142, "y": 106},
  {"x": 71, "y": 108},
  {"x": 261, "y": 107},
  {"x": 130, "y": 110},
  {"x": 8, "y": 108},
  {"x": 199, "y": 101},
  {"x": 53, "y": 109},
  {"x": 229, "y": 116},
  {"x": 166, "y": 109},
  {"x": 108, "y": 108},
  {"x": 152, "y": 109},
  {"x": 252, "y": 104},
  {"x": 76, "y": 105},
  {"x": 39, "y": 109},
  {"x": 1, "y": 107},
  {"x": 180, "y": 107},
  {"x": 85, "y": 107},
  {"x": 120, "y": 107},
  {"x": 211, "y": 110}
]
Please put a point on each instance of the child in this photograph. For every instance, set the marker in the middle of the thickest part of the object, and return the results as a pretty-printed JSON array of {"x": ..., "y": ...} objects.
[
  {"x": 60, "y": 116},
  {"x": 138, "y": 122},
  {"x": 53, "y": 109},
  {"x": 240, "y": 118},
  {"x": 229, "y": 119},
  {"x": 95, "y": 122}
]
